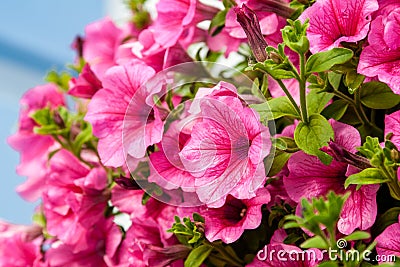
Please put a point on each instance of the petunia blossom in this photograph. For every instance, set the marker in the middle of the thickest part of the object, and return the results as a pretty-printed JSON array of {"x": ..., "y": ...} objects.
[
  {"x": 381, "y": 57},
  {"x": 227, "y": 147},
  {"x": 388, "y": 242},
  {"x": 86, "y": 84},
  {"x": 34, "y": 148},
  {"x": 20, "y": 245},
  {"x": 336, "y": 21},
  {"x": 177, "y": 21},
  {"x": 74, "y": 198},
  {"x": 308, "y": 178},
  {"x": 106, "y": 112},
  {"x": 392, "y": 125},
  {"x": 236, "y": 215}
]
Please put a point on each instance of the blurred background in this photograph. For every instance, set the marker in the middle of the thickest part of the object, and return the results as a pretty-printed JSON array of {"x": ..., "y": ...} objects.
[{"x": 35, "y": 37}]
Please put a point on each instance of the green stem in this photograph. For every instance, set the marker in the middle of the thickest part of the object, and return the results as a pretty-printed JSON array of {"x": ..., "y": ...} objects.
[
  {"x": 225, "y": 255},
  {"x": 302, "y": 82},
  {"x": 284, "y": 88}
]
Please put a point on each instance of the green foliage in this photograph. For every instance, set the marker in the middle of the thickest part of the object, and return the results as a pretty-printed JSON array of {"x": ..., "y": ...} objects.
[
  {"x": 276, "y": 108},
  {"x": 59, "y": 78},
  {"x": 187, "y": 231},
  {"x": 312, "y": 136},
  {"x": 218, "y": 22},
  {"x": 378, "y": 95},
  {"x": 294, "y": 36},
  {"x": 316, "y": 213},
  {"x": 324, "y": 61},
  {"x": 198, "y": 255}
]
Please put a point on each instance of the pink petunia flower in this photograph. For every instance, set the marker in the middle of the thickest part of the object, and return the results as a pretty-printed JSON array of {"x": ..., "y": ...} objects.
[
  {"x": 20, "y": 245},
  {"x": 177, "y": 21},
  {"x": 106, "y": 112},
  {"x": 146, "y": 49},
  {"x": 336, "y": 21},
  {"x": 102, "y": 39},
  {"x": 388, "y": 242},
  {"x": 167, "y": 169},
  {"x": 86, "y": 85},
  {"x": 236, "y": 215},
  {"x": 34, "y": 148},
  {"x": 105, "y": 239},
  {"x": 381, "y": 57},
  {"x": 74, "y": 199},
  {"x": 227, "y": 147},
  {"x": 392, "y": 125},
  {"x": 308, "y": 178}
]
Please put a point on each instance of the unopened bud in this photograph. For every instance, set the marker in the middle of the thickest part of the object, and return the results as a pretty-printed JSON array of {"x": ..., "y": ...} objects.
[
  {"x": 247, "y": 18},
  {"x": 127, "y": 183}
]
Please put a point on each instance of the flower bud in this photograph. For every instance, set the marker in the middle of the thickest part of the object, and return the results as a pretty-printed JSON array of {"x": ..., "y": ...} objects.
[
  {"x": 342, "y": 155},
  {"x": 247, "y": 18},
  {"x": 127, "y": 183}
]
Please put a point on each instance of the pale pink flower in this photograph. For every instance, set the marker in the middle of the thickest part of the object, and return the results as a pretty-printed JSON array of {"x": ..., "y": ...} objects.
[
  {"x": 388, "y": 242},
  {"x": 308, "y": 178},
  {"x": 236, "y": 215},
  {"x": 336, "y": 21},
  {"x": 381, "y": 57},
  {"x": 227, "y": 147},
  {"x": 34, "y": 148},
  {"x": 74, "y": 199},
  {"x": 141, "y": 125}
]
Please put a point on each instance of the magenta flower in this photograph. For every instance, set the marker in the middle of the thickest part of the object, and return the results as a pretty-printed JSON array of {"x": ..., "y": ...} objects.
[
  {"x": 236, "y": 215},
  {"x": 20, "y": 245},
  {"x": 388, "y": 242},
  {"x": 86, "y": 85},
  {"x": 34, "y": 148},
  {"x": 167, "y": 169},
  {"x": 308, "y": 178},
  {"x": 106, "y": 112},
  {"x": 392, "y": 123},
  {"x": 177, "y": 21},
  {"x": 382, "y": 55},
  {"x": 102, "y": 38},
  {"x": 74, "y": 198},
  {"x": 104, "y": 238},
  {"x": 227, "y": 147},
  {"x": 336, "y": 21}
]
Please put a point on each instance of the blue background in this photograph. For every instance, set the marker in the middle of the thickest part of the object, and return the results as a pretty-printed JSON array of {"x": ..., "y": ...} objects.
[{"x": 35, "y": 37}]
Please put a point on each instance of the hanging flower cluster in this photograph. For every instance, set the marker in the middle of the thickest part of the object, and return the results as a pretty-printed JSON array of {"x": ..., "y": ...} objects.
[{"x": 218, "y": 133}]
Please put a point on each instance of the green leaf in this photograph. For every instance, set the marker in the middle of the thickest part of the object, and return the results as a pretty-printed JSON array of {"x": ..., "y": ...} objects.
[
  {"x": 334, "y": 79},
  {"x": 336, "y": 110},
  {"x": 279, "y": 160},
  {"x": 316, "y": 101},
  {"x": 311, "y": 136},
  {"x": 218, "y": 22},
  {"x": 367, "y": 176},
  {"x": 84, "y": 136},
  {"x": 198, "y": 255},
  {"x": 276, "y": 108},
  {"x": 389, "y": 217},
  {"x": 323, "y": 61},
  {"x": 42, "y": 116},
  {"x": 315, "y": 242},
  {"x": 357, "y": 235},
  {"x": 378, "y": 95},
  {"x": 329, "y": 264}
]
